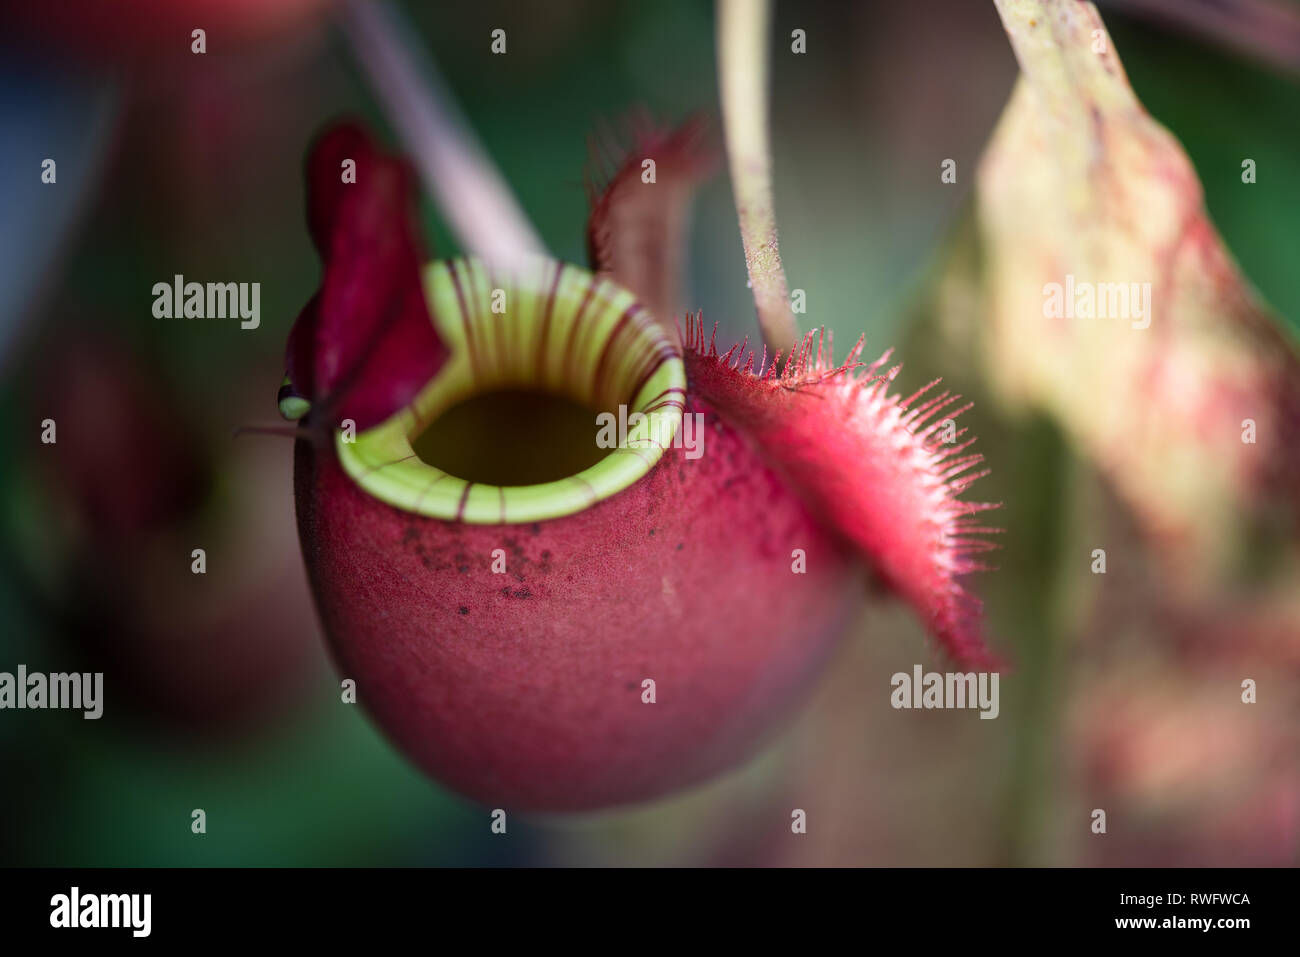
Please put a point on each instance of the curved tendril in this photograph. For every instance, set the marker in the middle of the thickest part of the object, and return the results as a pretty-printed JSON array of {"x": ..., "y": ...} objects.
[{"x": 743, "y": 78}]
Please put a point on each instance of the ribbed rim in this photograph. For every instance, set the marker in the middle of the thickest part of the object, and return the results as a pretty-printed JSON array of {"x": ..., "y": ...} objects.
[{"x": 559, "y": 329}]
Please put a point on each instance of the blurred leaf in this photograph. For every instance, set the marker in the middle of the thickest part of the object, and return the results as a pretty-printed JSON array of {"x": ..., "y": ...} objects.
[{"x": 1114, "y": 306}]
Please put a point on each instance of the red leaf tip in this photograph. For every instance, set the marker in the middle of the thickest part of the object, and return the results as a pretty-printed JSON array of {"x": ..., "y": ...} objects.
[
  {"x": 365, "y": 344},
  {"x": 639, "y": 208}
]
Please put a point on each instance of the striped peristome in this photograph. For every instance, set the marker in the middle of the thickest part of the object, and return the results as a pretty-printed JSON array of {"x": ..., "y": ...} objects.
[{"x": 556, "y": 328}]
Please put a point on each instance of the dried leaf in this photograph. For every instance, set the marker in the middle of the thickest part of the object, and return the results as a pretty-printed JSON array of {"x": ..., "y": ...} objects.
[{"x": 1114, "y": 304}]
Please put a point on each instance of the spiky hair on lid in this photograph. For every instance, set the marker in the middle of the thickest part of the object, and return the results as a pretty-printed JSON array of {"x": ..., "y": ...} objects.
[{"x": 876, "y": 466}]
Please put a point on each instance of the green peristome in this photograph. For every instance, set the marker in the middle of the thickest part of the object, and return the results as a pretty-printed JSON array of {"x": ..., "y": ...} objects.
[{"x": 546, "y": 326}]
